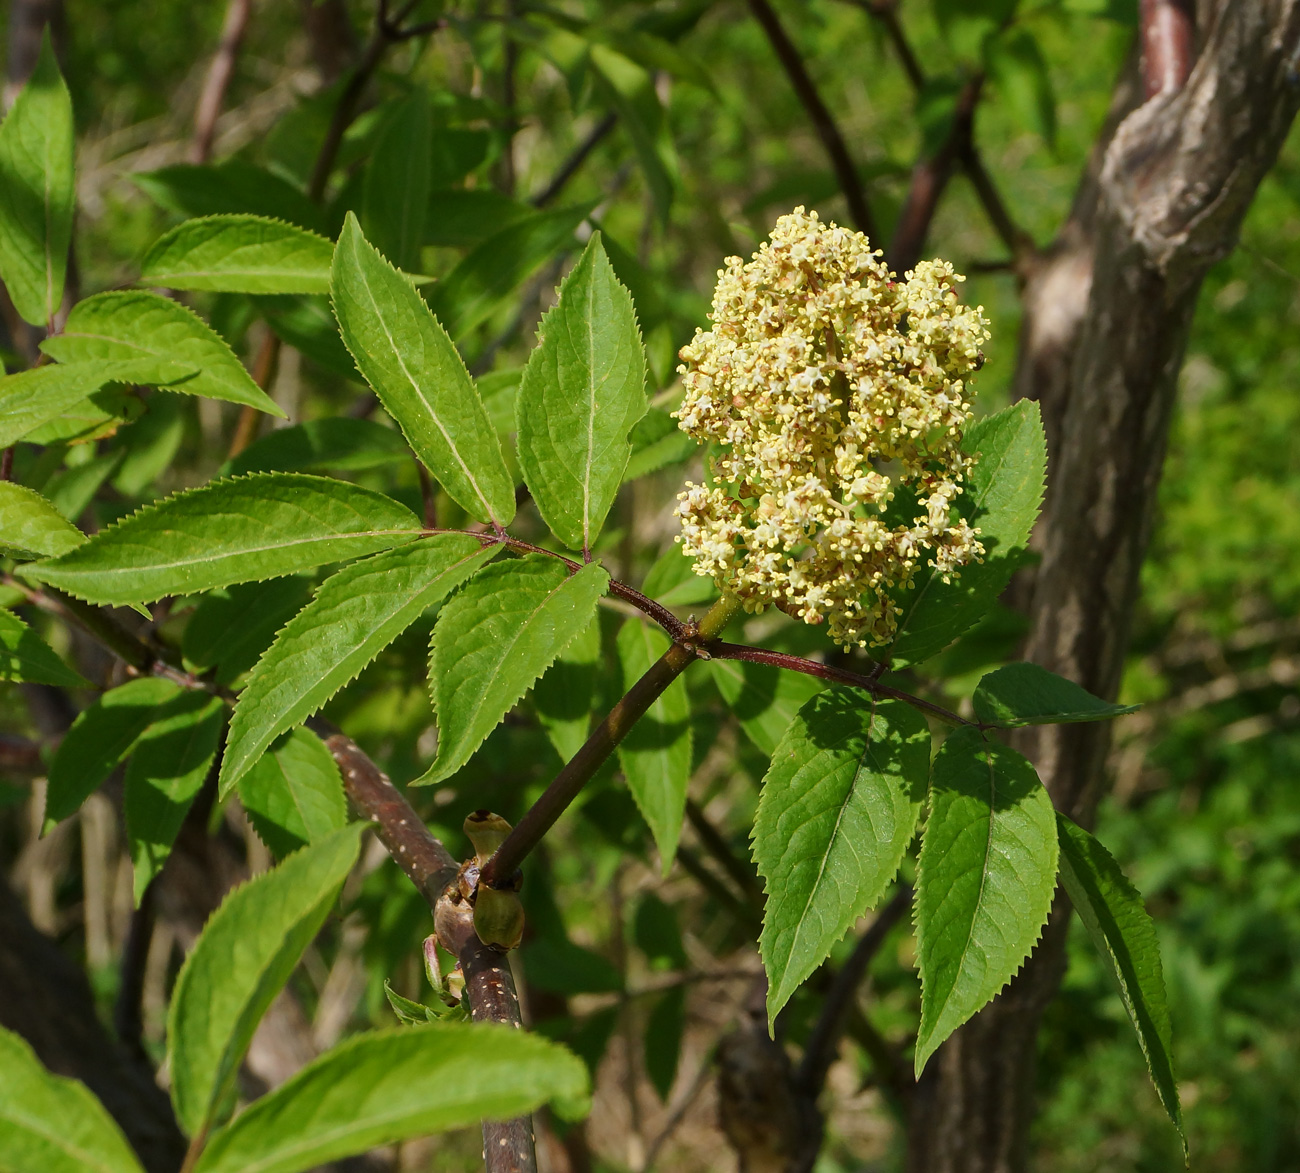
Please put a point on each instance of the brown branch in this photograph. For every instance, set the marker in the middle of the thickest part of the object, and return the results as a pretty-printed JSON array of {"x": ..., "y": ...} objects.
[
  {"x": 1168, "y": 31},
  {"x": 265, "y": 365},
  {"x": 345, "y": 111},
  {"x": 222, "y": 69},
  {"x": 823, "y": 122}
]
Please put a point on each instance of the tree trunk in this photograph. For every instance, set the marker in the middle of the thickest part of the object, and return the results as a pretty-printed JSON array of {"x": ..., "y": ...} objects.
[{"x": 1173, "y": 186}]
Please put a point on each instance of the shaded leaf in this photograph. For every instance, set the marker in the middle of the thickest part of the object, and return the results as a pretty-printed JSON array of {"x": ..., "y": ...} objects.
[
  {"x": 419, "y": 377},
  {"x": 239, "y": 254},
  {"x": 214, "y": 189},
  {"x": 461, "y": 219},
  {"x": 294, "y": 794},
  {"x": 1025, "y": 694},
  {"x": 25, "y": 656},
  {"x": 1016, "y": 66},
  {"x": 492, "y": 642},
  {"x": 986, "y": 876},
  {"x": 1122, "y": 930},
  {"x": 656, "y": 753},
  {"x": 564, "y": 696},
  {"x": 134, "y": 324},
  {"x": 664, "y": 1029},
  {"x": 49, "y": 1124},
  {"x": 237, "y": 530},
  {"x": 395, "y": 191},
  {"x": 240, "y": 962},
  {"x": 764, "y": 699},
  {"x": 838, "y": 809},
  {"x": 306, "y": 323},
  {"x": 353, "y": 616},
  {"x": 388, "y": 1086},
  {"x": 673, "y": 582},
  {"x": 582, "y": 391},
  {"x": 30, "y": 526},
  {"x": 657, "y": 442},
  {"x": 231, "y": 628},
  {"x": 325, "y": 445},
  {"x": 36, "y": 191}
]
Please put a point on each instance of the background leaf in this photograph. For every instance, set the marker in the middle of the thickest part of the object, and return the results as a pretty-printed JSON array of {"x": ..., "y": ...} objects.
[
  {"x": 1004, "y": 489},
  {"x": 49, "y": 1124},
  {"x": 564, "y": 696},
  {"x": 389, "y": 1086},
  {"x": 838, "y": 809},
  {"x": 100, "y": 737},
  {"x": 294, "y": 794},
  {"x": 656, "y": 753},
  {"x": 419, "y": 377},
  {"x": 231, "y": 628},
  {"x": 1016, "y": 65},
  {"x": 245, "y": 528},
  {"x": 233, "y": 185},
  {"x": 25, "y": 656},
  {"x": 167, "y": 768},
  {"x": 334, "y": 444},
  {"x": 986, "y": 877},
  {"x": 354, "y": 615},
  {"x": 492, "y": 642},
  {"x": 134, "y": 324},
  {"x": 30, "y": 527},
  {"x": 764, "y": 699},
  {"x": 1122, "y": 930},
  {"x": 241, "y": 960},
  {"x": 239, "y": 254},
  {"x": 395, "y": 191},
  {"x": 582, "y": 391},
  {"x": 1025, "y": 694},
  {"x": 36, "y": 191}
]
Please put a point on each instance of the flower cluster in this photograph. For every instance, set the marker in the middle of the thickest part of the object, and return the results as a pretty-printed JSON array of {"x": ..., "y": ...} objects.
[{"x": 829, "y": 388}]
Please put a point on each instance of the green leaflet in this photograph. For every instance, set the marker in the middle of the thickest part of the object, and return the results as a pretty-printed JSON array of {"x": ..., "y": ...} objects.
[
  {"x": 764, "y": 699},
  {"x": 214, "y": 189},
  {"x": 36, "y": 191},
  {"x": 73, "y": 489},
  {"x": 244, "y": 956},
  {"x": 392, "y": 1085},
  {"x": 492, "y": 271},
  {"x": 656, "y": 753},
  {"x": 331, "y": 444},
  {"x": 99, "y": 739},
  {"x": 1121, "y": 928},
  {"x": 564, "y": 695},
  {"x": 49, "y": 1124},
  {"x": 395, "y": 190},
  {"x": 25, "y": 656},
  {"x": 664, "y": 1028},
  {"x": 294, "y": 794},
  {"x": 492, "y": 642},
  {"x": 354, "y": 615},
  {"x": 1005, "y": 488},
  {"x": 133, "y": 324},
  {"x": 166, "y": 771},
  {"x": 239, "y": 254},
  {"x": 32, "y": 399},
  {"x": 231, "y": 628},
  {"x": 583, "y": 389},
  {"x": 237, "y": 530},
  {"x": 838, "y": 809},
  {"x": 409, "y": 360},
  {"x": 30, "y": 527},
  {"x": 986, "y": 877},
  {"x": 1025, "y": 694},
  {"x": 673, "y": 582}
]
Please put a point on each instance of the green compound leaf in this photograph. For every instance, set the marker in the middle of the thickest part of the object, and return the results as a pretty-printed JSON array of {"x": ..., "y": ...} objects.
[
  {"x": 838, "y": 809},
  {"x": 395, "y": 190},
  {"x": 36, "y": 191},
  {"x": 656, "y": 753},
  {"x": 133, "y": 324},
  {"x": 30, "y": 526},
  {"x": 1005, "y": 488},
  {"x": 764, "y": 699},
  {"x": 986, "y": 877},
  {"x": 240, "y": 962},
  {"x": 1025, "y": 694},
  {"x": 1121, "y": 928},
  {"x": 294, "y": 795},
  {"x": 25, "y": 656},
  {"x": 492, "y": 271},
  {"x": 49, "y": 1124},
  {"x": 33, "y": 399},
  {"x": 582, "y": 391},
  {"x": 492, "y": 642},
  {"x": 166, "y": 771},
  {"x": 354, "y": 615},
  {"x": 239, "y": 254},
  {"x": 333, "y": 444},
  {"x": 409, "y": 360},
  {"x": 238, "y": 530},
  {"x": 99, "y": 739},
  {"x": 389, "y": 1086}
]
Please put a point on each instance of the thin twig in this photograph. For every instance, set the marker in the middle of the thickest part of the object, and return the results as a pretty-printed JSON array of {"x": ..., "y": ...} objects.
[
  {"x": 569, "y": 168},
  {"x": 712, "y": 841},
  {"x": 265, "y": 365},
  {"x": 745, "y": 914},
  {"x": 823, "y": 121},
  {"x": 222, "y": 69}
]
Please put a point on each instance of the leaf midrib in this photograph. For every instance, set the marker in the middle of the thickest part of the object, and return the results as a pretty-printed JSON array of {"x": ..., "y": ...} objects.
[{"x": 57, "y": 1140}]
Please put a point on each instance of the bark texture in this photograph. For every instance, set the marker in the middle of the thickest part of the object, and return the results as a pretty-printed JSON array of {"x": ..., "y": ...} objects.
[{"x": 1107, "y": 318}]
